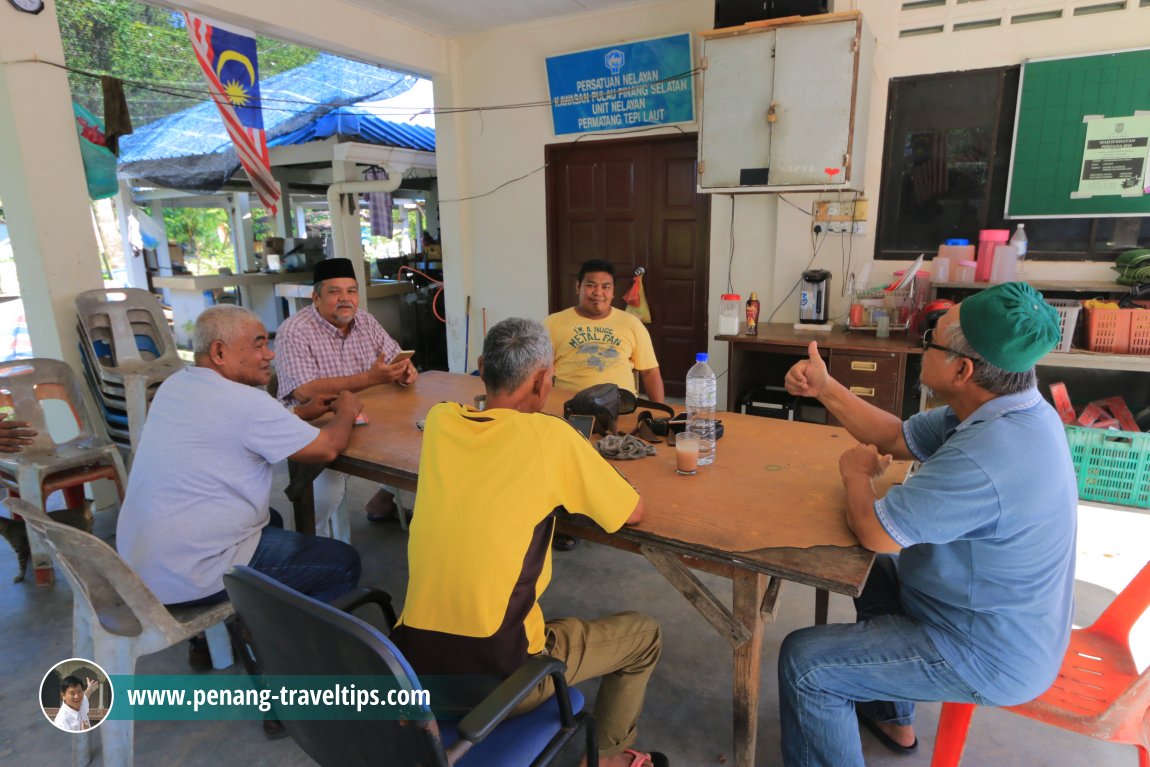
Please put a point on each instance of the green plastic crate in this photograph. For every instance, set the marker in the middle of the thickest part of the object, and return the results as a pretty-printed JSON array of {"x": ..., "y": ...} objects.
[{"x": 1112, "y": 466}]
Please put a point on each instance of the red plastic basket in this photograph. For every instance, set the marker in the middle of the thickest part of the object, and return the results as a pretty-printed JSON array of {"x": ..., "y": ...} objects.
[{"x": 1119, "y": 331}]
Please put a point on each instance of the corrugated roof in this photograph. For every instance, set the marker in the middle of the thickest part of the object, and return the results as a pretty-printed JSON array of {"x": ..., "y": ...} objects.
[
  {"x": 361, "y": 124},
  {"x": 191, "y": 150}
]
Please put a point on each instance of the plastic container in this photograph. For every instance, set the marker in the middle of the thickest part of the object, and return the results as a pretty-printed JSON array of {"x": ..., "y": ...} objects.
[
  {"x": 965, "y": 271},
  {"x": 882, "y": 323},
  {"x": 1119, "y": 331},
  {"x": 945, "y": 263},
  {"x": 987, "y": 240},
  {"x": 1005, "y": 264},
  {"x": 702, "y": 390},
  {"x": 1111, "y": 466},
  {"x": 940, "y": 270},
  {"x": 730, "y": 307},
  {"x": 1068, "y": 310}
]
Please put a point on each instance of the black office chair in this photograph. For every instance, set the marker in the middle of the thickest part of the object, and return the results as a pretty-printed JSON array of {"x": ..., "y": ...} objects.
[{"x": 293, "y": 634}]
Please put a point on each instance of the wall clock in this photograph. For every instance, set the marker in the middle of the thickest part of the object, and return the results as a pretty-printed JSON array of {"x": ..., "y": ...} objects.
[{"x": 28, "y": 6}]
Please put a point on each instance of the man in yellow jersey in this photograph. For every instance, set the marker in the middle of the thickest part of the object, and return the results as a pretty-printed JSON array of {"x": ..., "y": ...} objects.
[
  {"x": 479, "y": 557},
  {"x": 596, "y": 343}
]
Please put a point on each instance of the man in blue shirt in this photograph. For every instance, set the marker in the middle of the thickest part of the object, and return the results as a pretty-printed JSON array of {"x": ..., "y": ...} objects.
[{"x": 977, "y": 605}]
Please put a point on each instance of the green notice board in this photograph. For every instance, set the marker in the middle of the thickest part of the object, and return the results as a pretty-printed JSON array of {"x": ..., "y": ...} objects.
[{"x": 1050, "y": 134}]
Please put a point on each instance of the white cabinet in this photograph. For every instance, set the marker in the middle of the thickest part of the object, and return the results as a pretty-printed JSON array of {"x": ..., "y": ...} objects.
[{"x": 784, "y": 102}]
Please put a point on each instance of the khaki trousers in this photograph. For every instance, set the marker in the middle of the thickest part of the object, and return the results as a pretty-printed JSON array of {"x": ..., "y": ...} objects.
[{"x": 623, "y": 650}]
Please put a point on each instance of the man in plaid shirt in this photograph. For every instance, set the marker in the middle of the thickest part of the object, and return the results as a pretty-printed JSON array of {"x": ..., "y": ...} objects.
[{"x": 333, "y": 346}]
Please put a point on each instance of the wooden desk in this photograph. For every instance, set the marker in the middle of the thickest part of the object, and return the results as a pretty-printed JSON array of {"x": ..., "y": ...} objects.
[
  {"x": 774, "y": 483},
  {"x": 873, "y": 368}
]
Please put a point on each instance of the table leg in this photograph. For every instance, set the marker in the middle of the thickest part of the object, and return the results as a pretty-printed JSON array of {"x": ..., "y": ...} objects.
[
  {"x": 822, "y": 605},
  {"x": 302, "y": 495},
  {"x": 749, "y": 589}
]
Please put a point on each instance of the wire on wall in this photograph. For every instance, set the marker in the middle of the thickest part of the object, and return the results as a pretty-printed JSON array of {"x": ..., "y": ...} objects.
[{"x": 731, "y": 253}]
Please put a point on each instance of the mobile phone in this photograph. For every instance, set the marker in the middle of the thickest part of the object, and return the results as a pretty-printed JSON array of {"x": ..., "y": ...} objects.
[
  {"x": 400, "y": 356},
  {"x": 584, "y": 424}
]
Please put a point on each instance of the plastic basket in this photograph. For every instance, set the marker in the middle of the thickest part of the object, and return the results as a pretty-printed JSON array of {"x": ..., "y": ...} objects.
[
  {"x": 1119, "y": 331},
  {"x": 1068, "y": 319},
  {"x": 1111, "y": 466}
]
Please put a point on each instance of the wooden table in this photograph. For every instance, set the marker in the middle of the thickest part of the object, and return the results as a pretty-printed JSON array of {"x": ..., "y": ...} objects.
[{"x": 773, "y": 482}]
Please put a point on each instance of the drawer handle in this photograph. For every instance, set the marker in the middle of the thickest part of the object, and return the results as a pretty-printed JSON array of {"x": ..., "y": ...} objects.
[
  {"x": 862, "y": 391},
  {"x": 869, "y": 367}
]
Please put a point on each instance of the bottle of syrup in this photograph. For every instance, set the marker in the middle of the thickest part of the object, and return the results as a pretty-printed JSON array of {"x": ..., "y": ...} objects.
[{"x": 753, "y": 314}]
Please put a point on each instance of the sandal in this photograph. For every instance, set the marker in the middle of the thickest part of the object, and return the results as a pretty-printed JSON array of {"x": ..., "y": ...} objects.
[
  {"x": 653, "y": 759},
  {"x": 890, "y": 743}
]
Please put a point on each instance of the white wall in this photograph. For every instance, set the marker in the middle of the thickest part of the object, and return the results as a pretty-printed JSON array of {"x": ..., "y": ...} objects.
[{"x": 502, "y": 237}]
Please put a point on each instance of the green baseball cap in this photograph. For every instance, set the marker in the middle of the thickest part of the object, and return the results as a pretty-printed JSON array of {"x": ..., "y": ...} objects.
[{"x": 1010, "y": 325}]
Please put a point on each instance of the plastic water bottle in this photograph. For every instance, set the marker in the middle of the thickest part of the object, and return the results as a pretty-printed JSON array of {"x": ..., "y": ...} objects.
[
  {"x": 1018, "y": 240},
  {"x": 702, "y": 389}
]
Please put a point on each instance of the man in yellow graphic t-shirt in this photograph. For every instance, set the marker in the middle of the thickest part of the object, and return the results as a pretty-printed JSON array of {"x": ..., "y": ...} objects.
[{"x": 597, "y": 343}]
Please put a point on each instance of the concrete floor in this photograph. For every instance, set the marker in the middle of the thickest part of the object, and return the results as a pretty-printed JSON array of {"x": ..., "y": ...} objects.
[{"x": 688, "y": 709}]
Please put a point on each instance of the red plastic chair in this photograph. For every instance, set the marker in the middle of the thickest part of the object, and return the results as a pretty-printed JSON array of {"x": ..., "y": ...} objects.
[{"x": 1098, "y": 692}]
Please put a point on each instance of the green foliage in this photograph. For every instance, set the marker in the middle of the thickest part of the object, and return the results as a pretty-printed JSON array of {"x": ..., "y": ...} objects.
[
  {"x": 198, "y": 230},
  {"x": 147, "y": 44}
]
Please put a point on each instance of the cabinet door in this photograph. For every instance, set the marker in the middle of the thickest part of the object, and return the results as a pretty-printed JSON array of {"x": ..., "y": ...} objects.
[
  {"x": 737, "y": 87},
  {"x": 814, "y": 92}
]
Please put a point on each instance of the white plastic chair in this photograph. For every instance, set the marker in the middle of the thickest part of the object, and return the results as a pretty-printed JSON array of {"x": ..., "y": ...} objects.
[
  {"x": 47, "y": 465},
  {"x": 116, "y": 619}
]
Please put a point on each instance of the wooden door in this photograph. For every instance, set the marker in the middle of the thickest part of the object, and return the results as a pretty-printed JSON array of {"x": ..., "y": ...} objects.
[{"x": 633, "y": 202}]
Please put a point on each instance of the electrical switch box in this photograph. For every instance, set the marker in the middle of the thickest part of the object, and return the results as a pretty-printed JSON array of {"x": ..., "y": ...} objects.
[{"x": 784, "y": 105}]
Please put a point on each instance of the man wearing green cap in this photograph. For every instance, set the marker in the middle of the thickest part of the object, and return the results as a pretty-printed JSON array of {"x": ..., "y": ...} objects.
[{"x": 977, "y": 605}]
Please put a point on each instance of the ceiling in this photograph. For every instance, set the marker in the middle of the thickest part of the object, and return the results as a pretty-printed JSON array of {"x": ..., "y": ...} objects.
[{"x": 454, "y": 18}]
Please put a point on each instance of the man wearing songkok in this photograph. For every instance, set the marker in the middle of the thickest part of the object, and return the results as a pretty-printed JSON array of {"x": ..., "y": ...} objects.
[
  {"x": 333, "y": 346},
  {"x": 971, "y": 596}
]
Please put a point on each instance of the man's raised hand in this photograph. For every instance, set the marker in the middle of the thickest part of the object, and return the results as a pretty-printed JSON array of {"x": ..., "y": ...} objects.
[{"x": 808, "y": 378}]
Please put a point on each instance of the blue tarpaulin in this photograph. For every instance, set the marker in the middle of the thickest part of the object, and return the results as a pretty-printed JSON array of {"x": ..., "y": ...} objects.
[{"x": 191, "y": 151}]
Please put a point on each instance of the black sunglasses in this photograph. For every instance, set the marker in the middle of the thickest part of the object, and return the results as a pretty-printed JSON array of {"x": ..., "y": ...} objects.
[{"x": 928, "y": 343}]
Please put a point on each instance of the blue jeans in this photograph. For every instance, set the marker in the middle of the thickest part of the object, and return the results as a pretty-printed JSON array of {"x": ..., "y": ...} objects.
[
  {"x": 322, "y": 568},
  {"x": 882, "y": 664}
]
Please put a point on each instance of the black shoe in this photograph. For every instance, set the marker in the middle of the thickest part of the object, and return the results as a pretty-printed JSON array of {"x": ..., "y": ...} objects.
[
  {"x": 563, "y": 542},
  {"x": 199, "y": 657}
]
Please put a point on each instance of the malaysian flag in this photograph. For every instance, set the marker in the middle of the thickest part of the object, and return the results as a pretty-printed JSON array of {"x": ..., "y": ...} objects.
[{"x": 232, "y": 71}]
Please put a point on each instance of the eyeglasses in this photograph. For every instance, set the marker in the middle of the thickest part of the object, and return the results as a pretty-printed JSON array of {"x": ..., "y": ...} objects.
[{"x": 928, "y": 343}]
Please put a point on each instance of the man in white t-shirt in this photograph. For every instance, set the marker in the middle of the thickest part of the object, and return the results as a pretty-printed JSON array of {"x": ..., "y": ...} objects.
[
  {"x": 197, "y": 499},
  {"x": 74, "y": 695}
]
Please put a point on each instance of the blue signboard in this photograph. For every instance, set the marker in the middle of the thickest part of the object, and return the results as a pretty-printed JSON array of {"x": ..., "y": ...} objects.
[{"x": 624, "y": 86}]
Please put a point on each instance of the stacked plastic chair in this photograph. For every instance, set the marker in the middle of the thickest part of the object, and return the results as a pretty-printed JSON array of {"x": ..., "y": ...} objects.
[{"x": 128, "y": 351}]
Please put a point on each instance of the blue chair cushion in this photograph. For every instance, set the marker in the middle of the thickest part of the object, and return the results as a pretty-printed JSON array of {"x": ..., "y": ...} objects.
[{"x": 517, "y": 741}]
